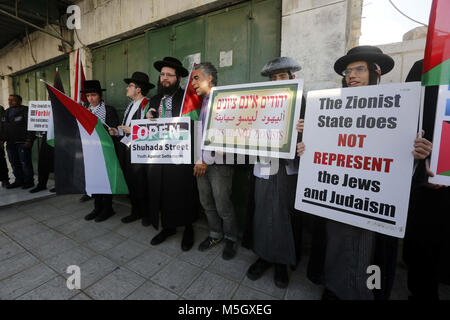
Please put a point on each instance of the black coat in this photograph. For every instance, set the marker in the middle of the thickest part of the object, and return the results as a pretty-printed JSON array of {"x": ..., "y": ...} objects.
[
  {"x": 426, "y": 243},
  {"x": 135, "y": 173},
  {"x": 111, "y": 119},
  {"x": 173, "y": 189},
  {"x": 14, "y": 125}
]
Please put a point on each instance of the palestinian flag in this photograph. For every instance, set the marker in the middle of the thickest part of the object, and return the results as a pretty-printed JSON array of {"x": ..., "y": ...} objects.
[
  {"x": 85, "y": 158},
  {"x": 436, "y": 65},
  {"x": 443, "y": 165},
  {"x": 57, "y": 83},
  {"x": 192, "y": 103}
]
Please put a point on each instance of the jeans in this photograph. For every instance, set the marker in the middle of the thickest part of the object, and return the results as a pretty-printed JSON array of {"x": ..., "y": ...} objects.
[
  {"x": 20, "y": 160},
  {"x": 215, "y": 196}
]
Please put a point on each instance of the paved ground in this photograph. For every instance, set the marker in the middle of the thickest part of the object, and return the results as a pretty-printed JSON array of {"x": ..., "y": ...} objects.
[{"x": 39, "y": 239}]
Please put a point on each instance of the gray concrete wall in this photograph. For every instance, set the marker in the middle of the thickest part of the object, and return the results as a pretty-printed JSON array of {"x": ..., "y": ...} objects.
[
  {"x": 404, "y": 53},
  {"x": 102, "y": 21},
  {"x": 316, "y": 33}
]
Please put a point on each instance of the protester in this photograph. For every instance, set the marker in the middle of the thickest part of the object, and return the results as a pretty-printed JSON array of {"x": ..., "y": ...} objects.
[
  {"x": 4, "y": 175},
  {"x": 173, "y": 191},
  {"x": 274, "y": 230},
  {"x": 108, "y": 116},
  {"x": 19, "y": 142},
  {"x": 342, "y": 253},
  {"x": 214, "y": 177},
  {"x": 426, "y": 246},
  {"x": 135, "y": 174}
]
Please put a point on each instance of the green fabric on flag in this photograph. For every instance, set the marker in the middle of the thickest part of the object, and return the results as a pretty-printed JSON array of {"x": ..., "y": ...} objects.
[
  {"x": 194, "y": 114},
  {"x": 115, "y": 174},
  {"x": 163, "y": 112},
  {"x": 438, "y": 75}
]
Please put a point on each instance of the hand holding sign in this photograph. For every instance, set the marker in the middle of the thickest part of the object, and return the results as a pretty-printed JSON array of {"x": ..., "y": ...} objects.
[
  {"x": 422, "y": 147},
  {"x": 125, "y": 129}
]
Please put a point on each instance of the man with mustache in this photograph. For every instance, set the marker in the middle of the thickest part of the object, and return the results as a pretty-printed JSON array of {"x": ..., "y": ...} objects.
[{"x": 173, "y": 189}]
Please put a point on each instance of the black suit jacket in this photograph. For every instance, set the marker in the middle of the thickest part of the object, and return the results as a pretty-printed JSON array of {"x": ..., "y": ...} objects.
[{"x": 176, "y": 102}]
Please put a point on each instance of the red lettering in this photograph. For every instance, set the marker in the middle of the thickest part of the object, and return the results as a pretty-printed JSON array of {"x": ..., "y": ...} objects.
[{"x": 317, "y": 156}]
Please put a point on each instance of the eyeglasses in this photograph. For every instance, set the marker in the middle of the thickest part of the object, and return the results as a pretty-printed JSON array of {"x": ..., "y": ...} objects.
[
  {"x": 162, "y": 74},
  {"x": 358, "y": 70}
]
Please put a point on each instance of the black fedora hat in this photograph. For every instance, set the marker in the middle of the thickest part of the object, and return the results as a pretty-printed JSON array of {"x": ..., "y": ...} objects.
[
  {"x": 141, "y": 79},
  {"x": 172, "y": 63},
  {"x": 92, "y": 86},
  {"x": 365, "y": 53}
]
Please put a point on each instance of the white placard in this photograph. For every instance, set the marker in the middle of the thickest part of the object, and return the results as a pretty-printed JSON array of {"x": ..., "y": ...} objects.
[
  {"x": 440, "y": 157},
  {"x": 164, "y": 140},
  {"x": 358, "y": 162},
  {"x": 38, "y": 115},
  {"x": 255, "y": 119}
]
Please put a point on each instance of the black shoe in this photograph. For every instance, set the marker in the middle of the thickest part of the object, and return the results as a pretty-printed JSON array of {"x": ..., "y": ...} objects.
[
  {"x": 230, "y": 250},
  {"x": 146, "y": 221},
  {"x": 52, "y": 190},
  {"x": 208, "y": 243},
  {"x": 37, "y": 189},
  {"x": 28, "y": 185},
  {"x": 91, "y": 216},
  {"x": 188, "y": 238},
  {"x": 257, "y": 269},
  {"x": 280, "y": 276},
  {"x": 105, "y": 214},
  {"x": 5, "y": 183},
  {"x": 16, "y": 184},
  {"x": 329, "y": 295},
  {"x": 85, "y": 198},
  {"x": 162, "y": 236},
  {"x": 130, "y": 218}
]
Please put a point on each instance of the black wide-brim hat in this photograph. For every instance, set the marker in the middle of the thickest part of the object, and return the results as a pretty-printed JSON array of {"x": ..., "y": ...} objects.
[
  {"x": 141, "y": 79},
  {"x": 92, "y": 86},
  {"x": 365, "y": 53},
  {"x": 171, "y": 62}
]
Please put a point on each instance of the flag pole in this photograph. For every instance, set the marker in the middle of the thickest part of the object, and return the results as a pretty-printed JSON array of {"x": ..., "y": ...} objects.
[{"x": 185, "y": 89}]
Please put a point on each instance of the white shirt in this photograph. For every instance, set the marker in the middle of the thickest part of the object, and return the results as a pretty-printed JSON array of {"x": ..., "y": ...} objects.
[{"x": 126, "y": 139}]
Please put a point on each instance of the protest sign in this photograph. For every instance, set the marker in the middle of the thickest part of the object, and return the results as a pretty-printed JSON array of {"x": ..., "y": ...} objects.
[
  {"x": 254, "y": 119},
  {"x": 358, "y": 162},
  {"x": 38, "y": 115},
  {"x": 163, "y": 140},
  {"x": 440, "y": 157}
]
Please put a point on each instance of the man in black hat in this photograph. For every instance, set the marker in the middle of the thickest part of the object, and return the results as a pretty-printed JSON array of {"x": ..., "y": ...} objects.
[
  {"x": 108, "y": 116},
  {"x": 273, "y": 230},
  {"x": 341, "y": 253},
  {"x": 135, "y": 174},
  {"x": 173, "y": 191}
]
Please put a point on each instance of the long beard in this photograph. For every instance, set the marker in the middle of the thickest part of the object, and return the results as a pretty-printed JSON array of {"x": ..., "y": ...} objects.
[{"x": 168, "y": 90}]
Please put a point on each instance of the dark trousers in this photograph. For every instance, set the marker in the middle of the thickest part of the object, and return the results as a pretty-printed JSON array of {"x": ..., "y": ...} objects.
[
  {"x": 138, "y": 184},
  {"x": 46, "y": 162},
  {"x": 102, "y": 202},
  {"x": 427, "y": 242},
  {"x": 3, "y": 165},
  {"x": 20, "y": 159}
]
